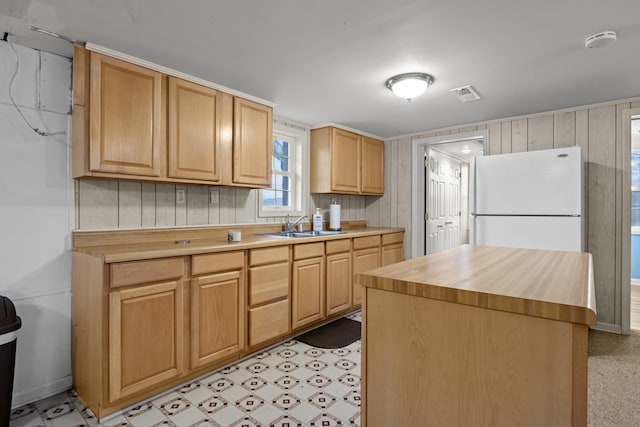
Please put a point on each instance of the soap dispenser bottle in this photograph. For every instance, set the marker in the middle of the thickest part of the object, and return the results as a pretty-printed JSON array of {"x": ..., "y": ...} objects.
[{"x": 317, "y": 220}]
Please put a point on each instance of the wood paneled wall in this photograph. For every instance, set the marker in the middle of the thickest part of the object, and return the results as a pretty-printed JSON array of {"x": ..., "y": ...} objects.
[
  {"x": 596, "y": 128},
  {"x": 106, "y": 204}
]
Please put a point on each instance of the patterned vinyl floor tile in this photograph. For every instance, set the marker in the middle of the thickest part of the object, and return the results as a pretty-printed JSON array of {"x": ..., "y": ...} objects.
[{"x": 292, "y": 384}]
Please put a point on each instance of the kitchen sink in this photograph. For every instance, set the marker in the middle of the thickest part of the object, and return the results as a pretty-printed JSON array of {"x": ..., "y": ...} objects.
[{"x": 303, "y": 233}]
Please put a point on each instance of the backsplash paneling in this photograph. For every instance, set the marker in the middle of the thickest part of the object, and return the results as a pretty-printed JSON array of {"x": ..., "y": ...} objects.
[{"x": 106, "y": 204}]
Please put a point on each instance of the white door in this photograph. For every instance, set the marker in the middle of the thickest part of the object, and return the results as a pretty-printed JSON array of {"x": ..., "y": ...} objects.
[{"x": 442, "y": 210}]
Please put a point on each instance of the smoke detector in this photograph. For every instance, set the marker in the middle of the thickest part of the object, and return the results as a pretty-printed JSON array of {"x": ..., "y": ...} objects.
[
  {"x": 600, "y": 39},
  {"x": 465, "y": 93}
]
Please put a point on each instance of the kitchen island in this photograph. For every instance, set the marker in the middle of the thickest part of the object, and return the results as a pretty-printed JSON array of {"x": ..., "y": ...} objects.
[{"x": 477, "y": 335}]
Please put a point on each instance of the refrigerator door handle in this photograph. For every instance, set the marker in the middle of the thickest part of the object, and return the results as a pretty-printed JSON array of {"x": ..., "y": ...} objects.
[
  {"x": 474, "y": 199},
  {"x": 472, "y": 230}
]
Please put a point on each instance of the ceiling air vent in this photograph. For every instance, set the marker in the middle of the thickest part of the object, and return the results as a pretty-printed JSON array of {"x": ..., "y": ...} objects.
[{"x": 465, "y": 93}]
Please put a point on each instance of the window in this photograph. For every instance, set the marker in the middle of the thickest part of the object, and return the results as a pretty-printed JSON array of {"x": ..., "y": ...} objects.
[
  {"x": 635, "y": 191},
  {"x": 287, "y": 194},
  {"x": 282, "y": 180}
]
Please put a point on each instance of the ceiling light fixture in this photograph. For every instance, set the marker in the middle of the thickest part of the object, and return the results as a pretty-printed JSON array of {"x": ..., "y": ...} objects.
[{"x": 409, "y": 85}]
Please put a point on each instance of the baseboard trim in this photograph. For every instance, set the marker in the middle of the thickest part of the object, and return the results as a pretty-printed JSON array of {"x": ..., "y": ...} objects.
[
  {"x": 607, "y": 327},
  {"x": 40, "y": 392}
]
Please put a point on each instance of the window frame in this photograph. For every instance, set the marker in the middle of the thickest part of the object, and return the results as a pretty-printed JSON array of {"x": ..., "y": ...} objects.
[
  {"x": 298, "y": 138},
  {"x": 290, "y": 174},
  {"x": 635, "y": 229}
]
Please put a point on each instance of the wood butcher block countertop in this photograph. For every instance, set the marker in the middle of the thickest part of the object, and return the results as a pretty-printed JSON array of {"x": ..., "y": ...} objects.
[
  {"x": 118, "y": 246},
  {"x": 549, "y": 284}
]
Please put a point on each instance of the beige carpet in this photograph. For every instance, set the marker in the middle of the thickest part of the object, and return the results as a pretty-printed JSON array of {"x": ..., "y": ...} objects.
[{"x": 614, "y": 379}]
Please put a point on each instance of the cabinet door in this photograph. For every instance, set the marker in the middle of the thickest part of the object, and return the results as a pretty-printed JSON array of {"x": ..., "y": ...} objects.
[
  {"x": 194, "y": 131},
  {"x": 392, "y": 254},
  {"x": 363, "y": 260},
  {"x": 338, "y": 282},
  {"x": 252, "y": 143},
  {"x": 125, "y": 118},
  {"x": 372, "y": 166},
  {"x": 217, "y": 317},
  {"x": 145, "y": 337},
  {"x": 307, "y": 291},
  {"x": 345, "y": 161}
]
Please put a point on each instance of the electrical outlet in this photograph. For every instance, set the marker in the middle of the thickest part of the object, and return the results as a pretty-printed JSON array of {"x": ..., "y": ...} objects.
[
  {"x": 181, "y": 196},
  {"x": 214, "y": 196}
]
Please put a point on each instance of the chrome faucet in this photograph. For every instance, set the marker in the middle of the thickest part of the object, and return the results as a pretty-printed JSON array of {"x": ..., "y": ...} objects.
[{"x": 288, "y": 225}]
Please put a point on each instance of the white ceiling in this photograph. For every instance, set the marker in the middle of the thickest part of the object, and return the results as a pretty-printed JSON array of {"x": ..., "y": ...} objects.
[{"x": 327, "y": 61}]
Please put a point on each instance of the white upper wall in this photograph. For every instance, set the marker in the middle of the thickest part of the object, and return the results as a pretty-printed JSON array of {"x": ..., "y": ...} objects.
[{"x": 35, "y": 216}]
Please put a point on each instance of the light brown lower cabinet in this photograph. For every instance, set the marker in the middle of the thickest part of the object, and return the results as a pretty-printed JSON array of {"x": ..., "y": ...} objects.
[
  {"x": 269, "y": 305},
  {"x": 145, "y": 337},
  {"x": 339, "y": 276},
  {"x": 392, "y": 248},
  {"x": 140, "y": 327},
  {"x": 217, "y": 307},
  {"x": 366, "y": 256},
  {"x": 217, "y": 317},
  {"x": 307, "y": 284},
  {"x": 269, "y": 321}
]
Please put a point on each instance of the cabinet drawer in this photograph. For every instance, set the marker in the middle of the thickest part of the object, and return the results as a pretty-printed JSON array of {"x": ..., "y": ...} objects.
[
  {"x": 338, "y": 246},
  {"x": 214, "y": 263},
  {"x": 268, "y": 321},
  {"x": 308, "y": 250},
  {"x": 366, "y": 242},
  {"x": 155, "y": 270},
  {"x": 268, "y": 255},
  {"x": 268, "y": 282},
  {"x": 389, "y": 239},
  {"x": 392, "y": 254}
]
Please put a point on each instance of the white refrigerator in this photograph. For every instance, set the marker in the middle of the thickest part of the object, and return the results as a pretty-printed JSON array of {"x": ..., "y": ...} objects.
[{"x": 529, "y": 200}]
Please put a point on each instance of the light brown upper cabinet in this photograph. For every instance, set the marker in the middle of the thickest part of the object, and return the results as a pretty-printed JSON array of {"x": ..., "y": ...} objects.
[
  {"x": 121, "y": 120},
  {"x": 372, "y": 180},
  {"x": 194, "y": 131},
  {"x": 252, "y": 143},
  {"x": 346, "y": 163},
  {"x": 130, "y": 122}
]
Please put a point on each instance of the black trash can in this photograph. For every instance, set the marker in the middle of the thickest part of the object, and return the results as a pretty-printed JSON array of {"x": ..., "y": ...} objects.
[{"x": 9, "y": 324}]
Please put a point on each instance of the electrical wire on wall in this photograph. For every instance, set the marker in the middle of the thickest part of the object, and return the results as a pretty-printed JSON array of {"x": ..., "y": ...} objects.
[{"x": 13, "y": 101}]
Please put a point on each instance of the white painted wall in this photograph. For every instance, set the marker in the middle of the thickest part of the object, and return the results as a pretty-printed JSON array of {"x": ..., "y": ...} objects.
[{"x": 35, "y": 218}]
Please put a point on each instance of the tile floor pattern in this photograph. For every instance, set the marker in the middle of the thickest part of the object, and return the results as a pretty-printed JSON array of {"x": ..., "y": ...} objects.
[{"x": 292, "y": 384}]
